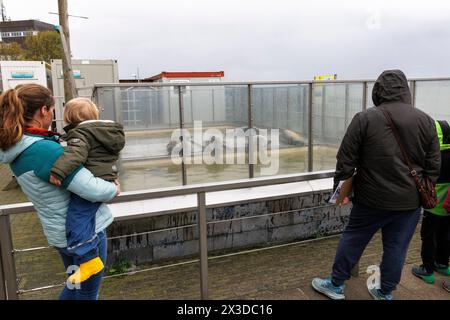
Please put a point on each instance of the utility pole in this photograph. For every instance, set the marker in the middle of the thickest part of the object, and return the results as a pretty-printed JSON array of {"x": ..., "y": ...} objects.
[
  {"x": 70, "y": 91},
  {"x": 4, "y": 18}
]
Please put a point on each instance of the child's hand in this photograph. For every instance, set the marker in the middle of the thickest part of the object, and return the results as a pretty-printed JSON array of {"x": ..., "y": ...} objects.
[
  {"x": 118, "y": 186},
  {"x": 55, "y": 181}
]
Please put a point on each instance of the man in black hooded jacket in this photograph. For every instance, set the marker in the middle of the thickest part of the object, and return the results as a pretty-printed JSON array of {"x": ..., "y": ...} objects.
[{"x": 385, "y": 195}]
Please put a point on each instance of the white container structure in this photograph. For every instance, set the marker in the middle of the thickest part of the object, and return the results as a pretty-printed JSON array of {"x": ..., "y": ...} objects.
[
  {"x": 14, "y": 73},
  {"x": 86, "y": 74}
]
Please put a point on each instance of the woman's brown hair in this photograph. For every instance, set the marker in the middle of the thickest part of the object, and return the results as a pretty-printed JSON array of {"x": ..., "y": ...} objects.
[{"x": 18, "y": 107}]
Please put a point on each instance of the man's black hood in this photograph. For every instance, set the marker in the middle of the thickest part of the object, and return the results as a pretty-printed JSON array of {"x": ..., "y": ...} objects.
[{"x": 391, "y": 86}]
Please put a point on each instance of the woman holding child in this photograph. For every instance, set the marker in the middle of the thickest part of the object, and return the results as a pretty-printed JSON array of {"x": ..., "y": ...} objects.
[{"x": 26, "y": 113}]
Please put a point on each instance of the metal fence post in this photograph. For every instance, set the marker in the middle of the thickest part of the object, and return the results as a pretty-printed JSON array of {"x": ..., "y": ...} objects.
[
  {"x": 170, "y": 106},
  {"x": 323, "y": 113},
  {"x": 203, "y": 244},
  {"x": 413, "y": 93},
  {"x": 152, "y": 99},
  {"x": 305, "y": 119},
  {"x": 347, "y": 98},
  {"x": 251, "y": 167},
  {"x": 213, "y": 106},
  {"x": 181, "y": 110},
  {"x": 233, "y": 117},
  {"x": 9, "y": 268},
  {"x": 364, "y": 106},
  {"x": 287, "y": 108},
  {"x": 2, "y": 279},
  {"x": 192, "y": 105},
  {"x": 275, "y": 123},
  {"x": 263, "y": 110},
  {"x": 310, "y": 124}
]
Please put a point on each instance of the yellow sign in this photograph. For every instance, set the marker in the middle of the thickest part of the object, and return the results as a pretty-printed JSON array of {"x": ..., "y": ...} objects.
[{"x": 326, "y": 77}]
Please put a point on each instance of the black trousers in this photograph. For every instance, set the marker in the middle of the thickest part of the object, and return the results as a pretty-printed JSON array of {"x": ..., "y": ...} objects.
[{"x": 435, "y": 234}]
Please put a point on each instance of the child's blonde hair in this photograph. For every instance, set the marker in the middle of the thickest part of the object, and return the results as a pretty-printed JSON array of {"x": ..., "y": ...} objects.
[{"x": 80, "y": 109}]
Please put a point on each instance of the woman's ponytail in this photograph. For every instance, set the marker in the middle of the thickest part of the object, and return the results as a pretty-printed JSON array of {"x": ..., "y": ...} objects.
[
  {"x": 12, "y": 120},
  {"x": 17, "y": 109}
]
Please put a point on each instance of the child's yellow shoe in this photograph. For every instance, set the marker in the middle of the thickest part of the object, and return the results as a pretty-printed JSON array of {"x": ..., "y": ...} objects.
[{"x": 87, "y": 270}]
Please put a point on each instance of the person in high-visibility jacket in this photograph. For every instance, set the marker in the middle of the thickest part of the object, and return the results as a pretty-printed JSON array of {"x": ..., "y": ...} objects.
[{"x": 435, "y": 230}]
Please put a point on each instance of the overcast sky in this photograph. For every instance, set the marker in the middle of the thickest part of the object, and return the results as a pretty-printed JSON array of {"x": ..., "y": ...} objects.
[{"x": 257, "y": 40}]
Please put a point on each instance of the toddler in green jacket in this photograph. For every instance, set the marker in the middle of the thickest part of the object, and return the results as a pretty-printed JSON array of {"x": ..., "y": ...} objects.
[{"x": 96, "y": 145}]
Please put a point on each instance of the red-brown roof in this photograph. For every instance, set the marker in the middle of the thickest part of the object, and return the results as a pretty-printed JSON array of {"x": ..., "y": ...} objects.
[{"x": 165, "y": 74}]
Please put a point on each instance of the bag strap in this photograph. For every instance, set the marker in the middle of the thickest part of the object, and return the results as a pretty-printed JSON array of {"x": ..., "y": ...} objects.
[{"x": 387, "y": 114}]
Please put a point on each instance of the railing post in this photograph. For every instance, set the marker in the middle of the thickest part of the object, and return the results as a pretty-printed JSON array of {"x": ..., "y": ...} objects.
[
  {"x": 347, "y": 98},
  {"x": 192, "y": 105},
  {"x": 305, "y": 119},
  {"x": 213, "y": 106},
  {"x": 275, "y": 110},
  {"x": 203, "y": 244},
  {"x": 135, "y": 120},
  {"x": 251, "y": 167},
  {"x": 2, "y": 279},
  {"x": 287, "y": 108},
  {"x": 152, "y": 99},
  {"x": 323, "y": 113},
  {"x": 233, "y": 118},
  {"x": 8, "y": 265},
  {"x": 181, "y": 110},
  {"x": 170, "y": 106},
  {"x": 413, "y": 93},
  {"x": 310, "y": 134},
  {"x": 364, "y": 105}
]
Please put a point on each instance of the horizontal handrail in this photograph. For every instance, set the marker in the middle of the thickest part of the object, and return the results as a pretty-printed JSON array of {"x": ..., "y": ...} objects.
[
  {"x": 221, "y": 186},
  {"x": 191, "y": 189},
  {"x": 246, "y": 83}
]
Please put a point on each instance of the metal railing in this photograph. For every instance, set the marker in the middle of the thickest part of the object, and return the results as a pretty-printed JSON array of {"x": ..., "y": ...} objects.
[{"x": 9, "y": 286}]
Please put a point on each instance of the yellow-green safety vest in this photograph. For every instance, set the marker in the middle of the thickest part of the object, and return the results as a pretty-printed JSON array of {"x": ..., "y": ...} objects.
[{"x": 440, "y": 135}]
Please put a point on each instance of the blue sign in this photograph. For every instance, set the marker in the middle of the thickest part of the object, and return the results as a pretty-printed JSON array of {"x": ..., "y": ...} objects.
[
  {"x": 77, "y": 74},
  {"x": 22, "y": 75}
]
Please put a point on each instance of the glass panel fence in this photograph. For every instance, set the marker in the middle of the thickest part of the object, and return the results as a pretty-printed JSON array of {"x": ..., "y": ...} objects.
[
  {"x": 219, "y": 147},
  {"x": 334, "y": 106},
  {"x": 149, "y": 116},
  {"x": 369, "y": 101},
  {"x": 216, "y": 119},
  {"x": 433, "y": 97},
  {"x": 280, "y": 116}
]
